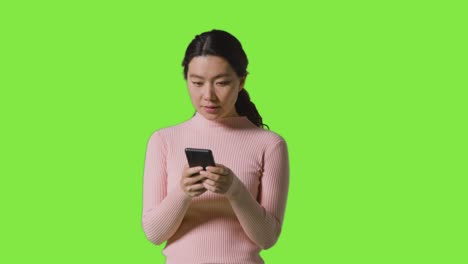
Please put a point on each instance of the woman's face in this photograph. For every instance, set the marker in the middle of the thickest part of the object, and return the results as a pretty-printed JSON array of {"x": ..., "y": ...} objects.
[{"x": 213, "y": 86}]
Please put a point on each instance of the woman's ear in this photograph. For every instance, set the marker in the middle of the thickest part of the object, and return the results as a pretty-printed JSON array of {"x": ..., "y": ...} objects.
[{"x": 242, "y": 83}]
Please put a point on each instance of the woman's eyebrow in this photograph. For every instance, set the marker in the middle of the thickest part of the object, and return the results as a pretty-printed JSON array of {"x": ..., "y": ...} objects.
[
  {"x": 215, "y": 77},
  {"x": 196, "y": 76},
  {"x": 221, "y": 75}
]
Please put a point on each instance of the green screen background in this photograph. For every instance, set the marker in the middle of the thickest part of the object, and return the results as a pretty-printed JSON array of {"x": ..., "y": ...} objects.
[{"x": 370, "y": 96}]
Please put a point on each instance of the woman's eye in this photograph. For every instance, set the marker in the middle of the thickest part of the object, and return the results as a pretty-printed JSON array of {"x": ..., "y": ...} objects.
[{"x": 223, "y": 83}]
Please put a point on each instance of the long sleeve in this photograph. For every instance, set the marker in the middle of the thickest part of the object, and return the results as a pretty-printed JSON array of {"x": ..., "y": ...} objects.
[
  {"x": 163, "y": 211},
  {"x": 215, "y": 228},
  {"x": 262, "y": 219}
]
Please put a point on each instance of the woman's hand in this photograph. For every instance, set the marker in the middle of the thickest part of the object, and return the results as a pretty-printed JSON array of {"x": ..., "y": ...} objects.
[
  {"x": 218, "y": 179},
  {"x": 192, "y": 182}
]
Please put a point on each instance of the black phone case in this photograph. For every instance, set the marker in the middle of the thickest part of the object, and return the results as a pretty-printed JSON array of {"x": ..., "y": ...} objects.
[{"x": 199, "y": 157}]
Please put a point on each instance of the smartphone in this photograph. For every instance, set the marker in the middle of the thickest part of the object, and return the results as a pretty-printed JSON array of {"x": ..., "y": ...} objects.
[{"x": 199, "y": 157}]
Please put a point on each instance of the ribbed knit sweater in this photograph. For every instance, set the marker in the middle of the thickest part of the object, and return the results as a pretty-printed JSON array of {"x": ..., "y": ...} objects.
[{"x": 216, "y": 228}]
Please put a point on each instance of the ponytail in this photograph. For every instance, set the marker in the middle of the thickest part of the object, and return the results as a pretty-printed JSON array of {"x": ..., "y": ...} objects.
[{"x": 245, "y": 107}]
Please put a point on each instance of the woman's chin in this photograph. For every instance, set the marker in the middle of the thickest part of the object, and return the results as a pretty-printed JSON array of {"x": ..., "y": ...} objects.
[
  {"x": 210, "y": 116},
  {"x": 213, "y": 114}
]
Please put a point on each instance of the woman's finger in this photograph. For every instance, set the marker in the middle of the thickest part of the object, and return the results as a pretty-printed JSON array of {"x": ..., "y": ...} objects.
[
  {"x": 209, "y": 182},
  {"x": 210, "y": 187},
  {"x": 219, "y": 169},
  {"x": 191, "y": 171},
  {"x": 195, "y": 187},
  {"x": 213, "y": 176},
  {"x": 193, "y": 180}
]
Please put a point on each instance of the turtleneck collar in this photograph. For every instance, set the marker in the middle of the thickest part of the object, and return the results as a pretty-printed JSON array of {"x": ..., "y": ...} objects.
[{"x": 226, "y": 122}]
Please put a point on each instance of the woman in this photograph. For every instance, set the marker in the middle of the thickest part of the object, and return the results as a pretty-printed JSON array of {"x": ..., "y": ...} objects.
[{"x": 228, "y": 212}]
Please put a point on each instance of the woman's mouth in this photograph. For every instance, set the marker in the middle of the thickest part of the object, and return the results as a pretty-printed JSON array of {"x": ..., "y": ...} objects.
[{"x": 211, "y": 109}]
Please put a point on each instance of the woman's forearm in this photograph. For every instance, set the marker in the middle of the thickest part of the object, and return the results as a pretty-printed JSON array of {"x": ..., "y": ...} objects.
[
  {"x": 163, "y": 210},
  {"x": 261, "y": 217},
  {"x": 162, "y": 221},
  {"x": 260, "y": 226}
]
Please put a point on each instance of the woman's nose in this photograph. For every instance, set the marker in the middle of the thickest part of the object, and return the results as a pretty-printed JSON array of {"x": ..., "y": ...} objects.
[{"x": 209, "y": 92}]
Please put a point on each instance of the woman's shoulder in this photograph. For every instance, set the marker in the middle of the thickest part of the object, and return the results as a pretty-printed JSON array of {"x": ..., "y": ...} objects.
[
  {"x": 171, "y": 130},
  {"x": 268, "y": 136}
]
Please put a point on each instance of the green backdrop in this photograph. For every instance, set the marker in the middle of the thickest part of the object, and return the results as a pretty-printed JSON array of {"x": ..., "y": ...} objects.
[{"x": 370, "y": 96}]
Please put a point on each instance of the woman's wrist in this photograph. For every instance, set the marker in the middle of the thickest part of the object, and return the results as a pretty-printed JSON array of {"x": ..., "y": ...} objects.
[
  {"x": 233, "y": 192},
  {"x": 181, "y": 195}
]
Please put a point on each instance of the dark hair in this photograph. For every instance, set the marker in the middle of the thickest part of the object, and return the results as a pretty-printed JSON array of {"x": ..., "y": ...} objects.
[{"x": 221, "y": 43}]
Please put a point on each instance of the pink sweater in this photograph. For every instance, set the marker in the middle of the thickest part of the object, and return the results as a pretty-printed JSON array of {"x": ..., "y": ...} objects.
[{"x": 214, "y": 228}]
